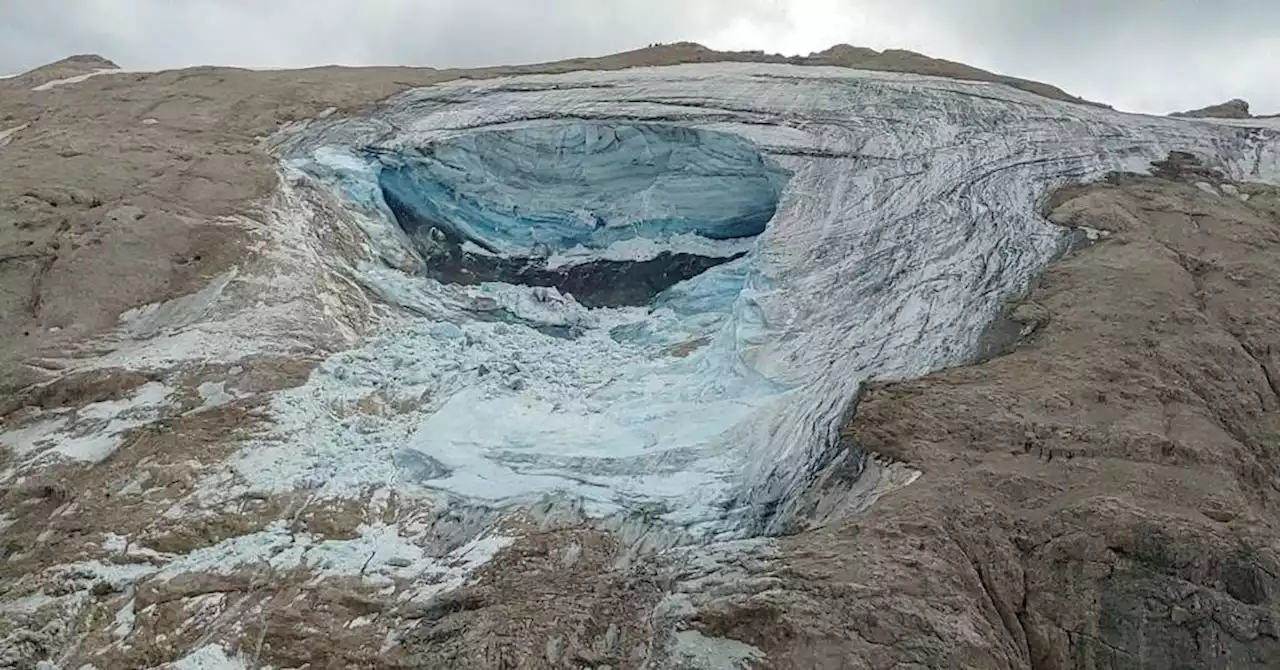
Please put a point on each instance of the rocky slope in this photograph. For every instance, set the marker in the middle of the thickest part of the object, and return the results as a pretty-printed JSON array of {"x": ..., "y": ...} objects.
[{"x": 249, "y": 423}]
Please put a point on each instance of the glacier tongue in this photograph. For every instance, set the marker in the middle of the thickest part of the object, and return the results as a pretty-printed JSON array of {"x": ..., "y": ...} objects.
[{"x": 911, "y": 211}]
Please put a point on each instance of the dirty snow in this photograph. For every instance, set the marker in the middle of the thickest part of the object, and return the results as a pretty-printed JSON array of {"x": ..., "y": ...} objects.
[
  {"x": 93, "y": 432},
  {"x": 209, "y": 657},
  {"x": 124, "y": 621},
  {"x": 26, "y": 604},
  {"x": 6, "y": 136},
  {"x": 380, "y": 556},
  {"x": 713, "y": 653}
]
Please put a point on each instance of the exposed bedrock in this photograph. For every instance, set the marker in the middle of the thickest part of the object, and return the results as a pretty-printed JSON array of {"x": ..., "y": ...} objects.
[{"x": 599, "y": 283}]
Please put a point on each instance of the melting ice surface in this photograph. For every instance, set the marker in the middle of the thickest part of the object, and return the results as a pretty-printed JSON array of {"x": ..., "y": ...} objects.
[
  {"x": 883, "y": 218},
  {"x": 629, "y": 407}
]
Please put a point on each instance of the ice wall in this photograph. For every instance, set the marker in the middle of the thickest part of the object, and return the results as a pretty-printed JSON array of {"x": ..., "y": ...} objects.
[
  {"x": 912, "y": 210},
  {"x": 588, "y": 184}
]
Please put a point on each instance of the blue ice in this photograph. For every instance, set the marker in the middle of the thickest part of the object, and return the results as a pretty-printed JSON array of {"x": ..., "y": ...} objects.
[{"x": 585, "y": 184}]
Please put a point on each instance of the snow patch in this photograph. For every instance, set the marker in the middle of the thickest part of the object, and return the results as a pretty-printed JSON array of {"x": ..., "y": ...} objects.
[
  {"x": 33, "y": 437},
  {"x": 93, "y": 432},
  {"x": 114, "y": 544},
  {"x": 208, "y": 657},
  {"x": 151, "y": 320},
  {"x": 1093, "y": 234},
  {"x": 50, "y": 85},
  {"x": 214, "y": 394},
  {"x": 6, "y": 136},
  {"x": 712, "y": 653},
  {"x": 381, "y": 555}
]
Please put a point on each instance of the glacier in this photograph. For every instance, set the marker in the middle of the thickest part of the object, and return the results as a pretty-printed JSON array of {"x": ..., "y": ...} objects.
[{"x": 797, "y": 230}]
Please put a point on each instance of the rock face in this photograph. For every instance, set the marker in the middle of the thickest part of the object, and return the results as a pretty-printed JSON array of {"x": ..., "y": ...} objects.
[
  {"x": 902, "y": 60},
  {"x": 1231, "y": 109},
  {"x": 773, "y": 373}
]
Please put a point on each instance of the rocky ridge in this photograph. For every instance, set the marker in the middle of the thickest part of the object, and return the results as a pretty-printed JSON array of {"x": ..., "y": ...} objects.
[{"x": 1231, "y": 109}]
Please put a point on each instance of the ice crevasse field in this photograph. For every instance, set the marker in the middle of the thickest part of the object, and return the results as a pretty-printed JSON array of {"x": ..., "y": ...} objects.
[{"x": 654, "y": 293}]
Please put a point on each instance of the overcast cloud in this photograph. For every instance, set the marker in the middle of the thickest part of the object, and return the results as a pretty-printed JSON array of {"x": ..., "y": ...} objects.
[{"x": 1141, "y": 55}]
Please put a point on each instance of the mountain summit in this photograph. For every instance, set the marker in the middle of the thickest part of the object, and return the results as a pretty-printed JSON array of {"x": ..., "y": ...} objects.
[{"x": 1231, "y": 109}]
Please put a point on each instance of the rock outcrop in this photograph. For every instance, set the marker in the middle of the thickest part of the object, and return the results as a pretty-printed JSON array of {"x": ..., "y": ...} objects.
[
  {"x": 1231, "y": 109},
  {"x": 902, "y": 60}
]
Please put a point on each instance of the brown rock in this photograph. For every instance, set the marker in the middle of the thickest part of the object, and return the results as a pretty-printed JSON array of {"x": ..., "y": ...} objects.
[{"x": 1231, "y": 109}]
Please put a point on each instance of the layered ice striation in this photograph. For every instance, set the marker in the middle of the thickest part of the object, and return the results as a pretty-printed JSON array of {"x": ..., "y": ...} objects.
[
  {"x": 834, "y": 226},
  {"x": 600, "y": 210},
  {"x": 589, "y": 184}
]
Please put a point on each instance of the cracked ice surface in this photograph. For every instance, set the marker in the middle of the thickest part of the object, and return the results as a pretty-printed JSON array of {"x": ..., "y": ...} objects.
[{"x": 910, "y": 213}]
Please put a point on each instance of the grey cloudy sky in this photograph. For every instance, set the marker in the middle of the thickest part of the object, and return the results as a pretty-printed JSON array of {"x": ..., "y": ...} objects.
[{"x": 1140, "y": 55}]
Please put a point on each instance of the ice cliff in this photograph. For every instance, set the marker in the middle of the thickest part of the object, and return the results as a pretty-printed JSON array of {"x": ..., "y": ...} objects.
[
  {"x": 595, "y": 209},
  {"x": 655, "y": 292}
]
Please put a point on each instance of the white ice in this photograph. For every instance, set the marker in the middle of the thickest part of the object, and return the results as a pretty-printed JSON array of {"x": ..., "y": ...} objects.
[{"x": 208, "y": 657}]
